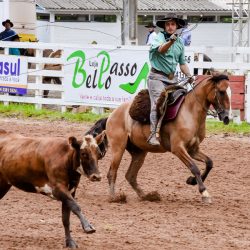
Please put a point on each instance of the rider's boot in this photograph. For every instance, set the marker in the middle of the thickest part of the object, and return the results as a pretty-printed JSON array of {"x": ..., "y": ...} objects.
[{"x": 153, "y": 138}]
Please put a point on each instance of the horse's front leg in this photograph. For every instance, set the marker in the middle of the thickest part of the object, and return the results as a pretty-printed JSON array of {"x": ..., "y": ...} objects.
[
  {"x": 183, "y": 155},
  {"x": 200, "y": 156}
]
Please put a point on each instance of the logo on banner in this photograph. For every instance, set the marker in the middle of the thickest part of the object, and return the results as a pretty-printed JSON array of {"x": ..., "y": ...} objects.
[
  {"x": 12, "y": 79},
  {"x": 104, "y": 71}
]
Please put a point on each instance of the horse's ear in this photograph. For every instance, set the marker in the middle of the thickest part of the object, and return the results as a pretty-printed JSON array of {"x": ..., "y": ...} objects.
[
  {"x": 214, "y": 72},
  {"x": 225, "y": 72}
]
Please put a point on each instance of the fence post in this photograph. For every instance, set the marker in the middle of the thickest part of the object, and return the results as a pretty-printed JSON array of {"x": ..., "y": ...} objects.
[
  {"x": 63, "y": 107},
  {"x": 200, "y": 59},
  {"x": 39, "y": 66},
  {"x": 247, "y": 97},
  {"x": 97, "y": 110},
  {"x": 6, "y": 103}
]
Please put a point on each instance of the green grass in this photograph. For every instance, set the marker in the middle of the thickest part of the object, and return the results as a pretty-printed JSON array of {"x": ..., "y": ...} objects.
[
  {"x": 232, "y": 128},
  {"x": 29, "y": 111}
]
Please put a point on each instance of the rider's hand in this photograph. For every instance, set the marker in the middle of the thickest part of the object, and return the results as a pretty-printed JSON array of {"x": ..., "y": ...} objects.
[
  {"x": 173, "y": 37},
  {"x": 190, "y": 78}
]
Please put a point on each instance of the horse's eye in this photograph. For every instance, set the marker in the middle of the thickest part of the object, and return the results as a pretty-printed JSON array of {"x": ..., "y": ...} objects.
[{"x": 222, "y": 93}]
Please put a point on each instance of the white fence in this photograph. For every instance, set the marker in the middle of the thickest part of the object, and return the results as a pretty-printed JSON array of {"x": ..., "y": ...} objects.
[{"x": 35, "y": 87}]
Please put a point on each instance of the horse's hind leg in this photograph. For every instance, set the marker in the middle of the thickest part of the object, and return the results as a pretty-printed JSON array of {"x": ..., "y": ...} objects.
[
  {"x": 4, "y": 187},
  {"x": 135, "y": 165},
  {"x": 200, "y": 156},
  {"x": 183, "y": 155}
]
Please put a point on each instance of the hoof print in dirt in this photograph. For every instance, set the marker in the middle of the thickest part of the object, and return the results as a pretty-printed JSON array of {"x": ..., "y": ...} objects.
[
  {"x": 152, "y": 196},
  {"x": 121, "y": 198}
]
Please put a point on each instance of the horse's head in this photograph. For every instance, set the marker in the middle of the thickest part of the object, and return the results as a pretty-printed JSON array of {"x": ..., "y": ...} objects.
[{"x": 218, "y": 97}]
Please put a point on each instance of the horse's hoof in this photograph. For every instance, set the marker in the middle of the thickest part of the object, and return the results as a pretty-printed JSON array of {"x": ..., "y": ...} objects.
[
  {"x": 207, "y": 200},
  {"x": 121, "y": 198},
  {"x": 89, "y": 229},
  {"x": 152, "y": 196},
  {"x": 71, "y": 244},
  {"x": 191, "y": 181}
]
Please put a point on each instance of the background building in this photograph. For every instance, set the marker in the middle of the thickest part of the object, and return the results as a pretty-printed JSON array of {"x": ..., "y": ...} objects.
[{"x": 87, "y": 21}]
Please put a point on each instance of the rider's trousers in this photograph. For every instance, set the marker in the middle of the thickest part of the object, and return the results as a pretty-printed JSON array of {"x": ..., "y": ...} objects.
[{"x": 155, "y": 87}]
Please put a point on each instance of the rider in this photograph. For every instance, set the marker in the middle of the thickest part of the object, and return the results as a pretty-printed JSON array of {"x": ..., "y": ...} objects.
[
  {"x": 167, "y": 50},
  {"x": 8, "y": 33}
]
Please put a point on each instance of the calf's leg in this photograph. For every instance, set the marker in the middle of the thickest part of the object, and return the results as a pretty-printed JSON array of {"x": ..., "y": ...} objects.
[
  {"x": 66, "y": 223},
  {"x": 69, "y": 204}
]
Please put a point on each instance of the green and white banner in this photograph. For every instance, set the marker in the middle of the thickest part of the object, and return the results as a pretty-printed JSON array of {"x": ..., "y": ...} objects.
[{"x": 105, "y": 77}]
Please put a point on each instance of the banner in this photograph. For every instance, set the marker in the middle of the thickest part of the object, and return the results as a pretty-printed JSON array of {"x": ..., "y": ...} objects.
[
  {"x": 13, "y": 74},
  {"x": 105, "y": 77}
]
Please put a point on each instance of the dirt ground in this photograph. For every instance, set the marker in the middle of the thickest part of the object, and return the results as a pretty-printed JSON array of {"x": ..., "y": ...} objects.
[{"x": 179, "y": 221}]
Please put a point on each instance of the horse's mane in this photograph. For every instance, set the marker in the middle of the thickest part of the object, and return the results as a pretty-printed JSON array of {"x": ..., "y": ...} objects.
[{"x": 217, "y": 78}]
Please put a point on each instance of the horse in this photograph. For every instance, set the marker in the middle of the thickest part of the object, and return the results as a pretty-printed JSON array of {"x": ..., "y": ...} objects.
[
  {"x": 47, "y": 53},
  {"x": 181, "y": 136}
]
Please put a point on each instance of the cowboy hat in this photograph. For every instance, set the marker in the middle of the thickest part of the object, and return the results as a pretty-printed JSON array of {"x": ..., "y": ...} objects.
[
  {"x": 7, "y": 21},
  {"x": 171, "y": 16},
  {"x": 150, "y": 25}
]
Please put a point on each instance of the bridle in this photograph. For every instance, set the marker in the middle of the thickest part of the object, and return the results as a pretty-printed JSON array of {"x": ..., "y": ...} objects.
[{"x": 218, "y": 107}]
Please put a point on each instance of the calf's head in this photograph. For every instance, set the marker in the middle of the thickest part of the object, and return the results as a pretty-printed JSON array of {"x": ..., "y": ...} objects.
[{"x": 88, "y": 154}]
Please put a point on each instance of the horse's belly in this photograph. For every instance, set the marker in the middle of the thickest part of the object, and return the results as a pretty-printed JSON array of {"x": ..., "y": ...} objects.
[{"x": 139, "y": 136}]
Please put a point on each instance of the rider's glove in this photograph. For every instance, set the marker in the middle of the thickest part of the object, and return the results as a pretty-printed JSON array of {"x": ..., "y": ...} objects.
[{"x": 173, "y": 37}]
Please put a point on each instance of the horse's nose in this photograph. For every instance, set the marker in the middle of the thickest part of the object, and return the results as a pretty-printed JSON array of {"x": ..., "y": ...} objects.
[{"x": 95, "y": 177}]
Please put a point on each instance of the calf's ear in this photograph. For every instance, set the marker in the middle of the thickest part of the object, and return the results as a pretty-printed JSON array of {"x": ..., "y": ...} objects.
[
  {"x": 74, "y": 143},
  {"x": 99, "y": 139}
]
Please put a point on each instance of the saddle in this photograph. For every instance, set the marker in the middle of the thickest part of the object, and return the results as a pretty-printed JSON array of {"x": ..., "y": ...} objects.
[{"x": 168, "y": 105}]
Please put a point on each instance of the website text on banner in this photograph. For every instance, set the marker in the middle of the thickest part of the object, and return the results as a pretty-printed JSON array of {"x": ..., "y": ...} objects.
[
  {"x": 106, "y": 77},
  {"x": 13, "y": 74}
]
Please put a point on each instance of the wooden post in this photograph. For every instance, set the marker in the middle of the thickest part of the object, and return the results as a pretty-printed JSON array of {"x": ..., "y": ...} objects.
[
  {"x": 39, "y": 66},
  {"x": 200, "y": 59},
  {"x": 247, "y": 97}
]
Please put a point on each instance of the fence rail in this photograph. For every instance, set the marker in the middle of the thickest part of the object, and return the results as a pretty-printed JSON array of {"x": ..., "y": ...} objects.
[{"x": 240, "y": 66}]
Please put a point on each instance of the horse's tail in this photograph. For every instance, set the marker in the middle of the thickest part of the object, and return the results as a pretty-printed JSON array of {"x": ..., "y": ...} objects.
[{"x": 95, "y": 130}]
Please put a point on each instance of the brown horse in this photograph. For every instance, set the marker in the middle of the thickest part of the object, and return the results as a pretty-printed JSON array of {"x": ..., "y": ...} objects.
[{"x": 180, "y": 136}]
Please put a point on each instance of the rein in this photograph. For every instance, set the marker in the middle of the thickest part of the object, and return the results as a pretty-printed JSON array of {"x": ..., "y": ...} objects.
[{"x": 193, "y": 91}]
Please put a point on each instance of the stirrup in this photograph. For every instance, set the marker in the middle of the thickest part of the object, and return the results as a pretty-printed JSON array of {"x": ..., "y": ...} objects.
[{"x": 157, "y": 136}]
